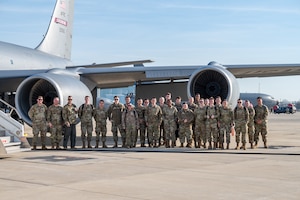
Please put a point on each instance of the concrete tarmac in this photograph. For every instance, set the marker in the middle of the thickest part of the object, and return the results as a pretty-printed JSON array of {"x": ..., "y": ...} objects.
[{"x": 147, "y": 173}]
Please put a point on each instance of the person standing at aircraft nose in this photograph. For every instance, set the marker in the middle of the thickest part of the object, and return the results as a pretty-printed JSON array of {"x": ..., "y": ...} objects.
[
  {"x": 115, "y": 111},
  {"x": 85, "y": 113},
  {"x": 38, "y": 115},
  {"x": 69, "y": 117},
  {"x": 260, "y": 120},
  {"x": 55, "y": 121},
  {"x": 241, "y": 118}
]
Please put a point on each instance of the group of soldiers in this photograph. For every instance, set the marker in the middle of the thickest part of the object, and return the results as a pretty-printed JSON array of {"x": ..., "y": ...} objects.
[{"x": 203, "y": 122}]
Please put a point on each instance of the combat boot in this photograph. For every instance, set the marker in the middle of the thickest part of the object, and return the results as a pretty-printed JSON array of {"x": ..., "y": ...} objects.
[
  {"x": 221, "y": 145},
  {"x": 215, "y": 145},
  {"x": 167, "y": 143},
  {"x": 83, "y": 144},
  {"x": 251, "y": 145},
  {"x": 243, "y": 146},
  {"x": 227, "y": 146},
  {"x": 237, "y": 146},
  {"x": 116, "y": 145},
  {"x": 265, "y": 145},
  {"x": 209, "y": 145},
  {"x": 255, "y": 144},
  {"x": 173, "y": 144},
  {"x": 181, "y": 145},
  {"x": 57, "y": 146},
  {"x": 155, "y": 144},
  {"x": 204, "y": 145},
  {"x": 189, "y": 145},
  {"x": 44, "y": 147},
  {"x": 89, "y": 145},
  {"x": 97, "y": 144},
  {"x": 33, "y": 147},
  {"x": 143, "y": 144},
  {"x": 104, "y": 145},
  {"x": 123, "y": 144},
  {"x": 53, "y": 146}
]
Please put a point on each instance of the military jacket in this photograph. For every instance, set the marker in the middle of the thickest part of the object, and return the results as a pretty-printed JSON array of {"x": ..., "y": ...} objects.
[
  {"x": 251, "y": 114},
  {"x": 100, "y": 116},
  {"x": 241, "y": 115},
  {"x": 70, "y": 113},
  {"x": 85, "y": 112},
  {"x": 200, "y": 114},
  {"x": 38, "y": 113},
  {"x": 170, "y": 114},
  {"x": 226, "y": 115},
  {"x": 54, "y": 115},
  {"x": 212, "y": 113},
  {"x": 261, "y": 113},
  {"x": 130, "y": 119},
  {"x": 115, "y": 112},
  {"x": 141, "y": 113},
  {"x": 153, "y": 114},
  {"x": 185, "y": 115}
]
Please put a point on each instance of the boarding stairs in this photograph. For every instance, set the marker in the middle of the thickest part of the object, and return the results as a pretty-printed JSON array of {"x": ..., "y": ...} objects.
[{"x": 12, "y": 138}]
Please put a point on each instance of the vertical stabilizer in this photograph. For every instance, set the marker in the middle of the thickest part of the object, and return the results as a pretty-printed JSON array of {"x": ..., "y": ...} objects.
[{"x": 58, "y": 39}]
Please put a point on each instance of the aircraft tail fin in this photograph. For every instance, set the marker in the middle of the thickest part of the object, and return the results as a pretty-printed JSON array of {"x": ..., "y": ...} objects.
[{"x": 58, "y": 39}]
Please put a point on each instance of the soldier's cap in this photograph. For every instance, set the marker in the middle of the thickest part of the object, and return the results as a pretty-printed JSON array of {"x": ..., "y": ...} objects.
[
  {"x": 211, "y": 98},
  {"x": 130, "y": 105},
  {"x": 259, "y": 98}
]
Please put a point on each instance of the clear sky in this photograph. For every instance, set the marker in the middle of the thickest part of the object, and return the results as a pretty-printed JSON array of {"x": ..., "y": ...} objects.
[{"x": 172, "y": 32}]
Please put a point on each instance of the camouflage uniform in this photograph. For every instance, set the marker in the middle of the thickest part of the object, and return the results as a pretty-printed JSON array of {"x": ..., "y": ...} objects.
[
  {"x": 162, "y": 131},
  {"x": 115, "y": 116},
  {"x": 100, "y": 116},
  {"x": 153, "y": 119},
  {"x": 130, "y": 123},
  {"x": 185, "y": 127},
  {"x": 226, "y": 122},
  {"x": 54, "y": 116},
  {"x": 212, "y": 117},
  {"x": 38, "y": 115},
  {"x": 85, "y": 113},
  {"x": 241, "y": 118},
  {"x": 69, "y": 117},
  {"x": 200, "y": 129},
  {"x": 192, "y": 107},
  {"x": 251, "y": 125},
  {"x": 261, "y": 114},
  {"x": 170, "y": 118},
  {"x": 141, "y": 114}
]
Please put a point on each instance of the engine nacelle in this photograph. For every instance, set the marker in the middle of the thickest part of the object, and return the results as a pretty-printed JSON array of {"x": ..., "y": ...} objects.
[
  {"x": 214, "y": 80},
  {"x": 49, "y": 85}
]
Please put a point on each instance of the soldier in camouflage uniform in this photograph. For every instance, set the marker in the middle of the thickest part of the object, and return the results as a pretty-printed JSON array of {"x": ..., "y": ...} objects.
[
  {"x": 130, "y": 123},
  {"x": 218, "y": 105},
  {"x": 170, "y": 118},
  {"x": 185, "y": 119},
  {"x": 178, "y": 106},
  {"x": 192, "y": 107},
  {"x": 153, "y": 119},
  {"x": 162, "y": 131},
  {"x": 200, "y": 129},
  {"x": 114, "y": 112},
  {"x": 100, "y": 115},
  {"x": 38, "y": 115},
  {"x": 212, "y": 117},
  {"x": 260, "y": 121},
  {"x": 85, "y": 113},
  {"x": 226, "y": 122},
  {"x": 140, "y": 109},
  {"x": 55, "y": 121},
  {"x": 197, "y": 99},
  {"x": 241, "y": 118},
  {"x": 70, "y": 119},
  {"x": 250, "y": 124}
]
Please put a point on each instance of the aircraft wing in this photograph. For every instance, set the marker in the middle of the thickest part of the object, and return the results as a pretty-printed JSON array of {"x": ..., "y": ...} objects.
[
  {"x": 118, "y": 76},
  {"x": 264, "y": 70},
  {"x": 8, "y": 74}
]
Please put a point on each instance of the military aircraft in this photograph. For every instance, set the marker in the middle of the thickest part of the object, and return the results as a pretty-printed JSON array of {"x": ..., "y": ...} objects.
[
  {"x": 48, "y": 71},
  {"x": 268, "y": 100}
]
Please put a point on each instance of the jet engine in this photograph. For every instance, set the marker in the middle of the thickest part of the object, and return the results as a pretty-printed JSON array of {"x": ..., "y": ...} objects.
[
  {"x": 214, "y": 80},
  {"x": 49, "y": 85}
]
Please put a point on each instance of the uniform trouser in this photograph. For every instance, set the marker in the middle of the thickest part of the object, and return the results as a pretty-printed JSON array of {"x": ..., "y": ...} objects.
[
  {"x": 40, "y": 127},
  {"x": 130, "y": 136},
  {"x": 240, "y": 128},
  {"x": 212, "y": 130},
  {"x": 142, "y": 132},
  {"x": 56, "y": 133},
  {"x": 114, "y": 130},
  {"x": 261, "y": 128},
  {"x": 251, "y": 132},
  {"x": 225, "y": 130},
  {"x": 170, "y": 128},
  {"x": 70, "y": 132},
  {"x": 86, "y": 129},
  {"x": 162, "y": 132},
  {"x": 153, "y": 132},
  {"x": 101, "y": 130},
  {"x": 185, "y": 132},
  {"x": 200, "y": 131}
]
